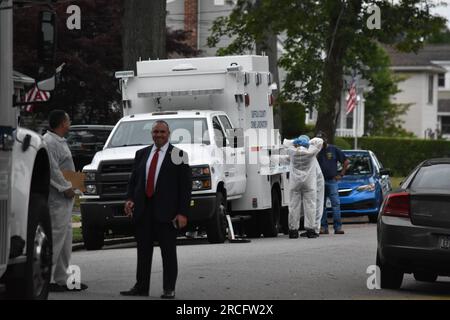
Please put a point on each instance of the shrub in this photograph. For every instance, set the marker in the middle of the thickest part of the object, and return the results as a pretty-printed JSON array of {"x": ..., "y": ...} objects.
[{"x": 402, "y": 155}]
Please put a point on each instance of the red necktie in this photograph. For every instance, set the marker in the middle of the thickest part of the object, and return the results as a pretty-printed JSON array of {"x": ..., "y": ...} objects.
[{"x": 151, "y": 174}]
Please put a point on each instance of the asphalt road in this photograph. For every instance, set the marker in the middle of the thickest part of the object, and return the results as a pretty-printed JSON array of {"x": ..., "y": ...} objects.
[{"x": 330, "y": 267}]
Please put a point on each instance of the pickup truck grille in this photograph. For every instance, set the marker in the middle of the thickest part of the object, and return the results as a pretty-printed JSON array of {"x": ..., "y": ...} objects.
[
  {"x": 3, "y": 231},
  {"x": 112, "y": 180}
]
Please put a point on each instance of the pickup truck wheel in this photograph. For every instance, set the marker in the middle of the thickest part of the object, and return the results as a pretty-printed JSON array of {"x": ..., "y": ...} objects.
[
  {"x": 272, "y": 218},
  {"x": 216, "y": 226},
  {"x": 425, "y": 277},
  {"x": 390, "y": 278},
  {"x": 93, "y": 237},
  {"x": 34, "y": 283},
  {"x": 284, "y": 217}
]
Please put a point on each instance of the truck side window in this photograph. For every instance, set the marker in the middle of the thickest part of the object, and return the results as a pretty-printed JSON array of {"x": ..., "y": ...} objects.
[
  {"x": 218, "y": 132},
  {"x": 225, "y": 122}
]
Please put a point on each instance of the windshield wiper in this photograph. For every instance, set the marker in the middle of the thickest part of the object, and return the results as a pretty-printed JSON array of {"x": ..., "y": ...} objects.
[{"x": 129, "y": 145}]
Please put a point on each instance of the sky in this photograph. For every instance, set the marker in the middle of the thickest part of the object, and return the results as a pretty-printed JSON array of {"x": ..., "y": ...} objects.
[{"x": 443, "y": 11}]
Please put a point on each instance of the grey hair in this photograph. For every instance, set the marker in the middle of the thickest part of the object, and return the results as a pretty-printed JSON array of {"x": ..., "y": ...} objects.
[{"x": 160, "y": 122}]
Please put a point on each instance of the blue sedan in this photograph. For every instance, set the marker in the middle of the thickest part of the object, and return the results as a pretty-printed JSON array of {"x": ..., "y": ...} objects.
[{"x": 362, "y": 189}]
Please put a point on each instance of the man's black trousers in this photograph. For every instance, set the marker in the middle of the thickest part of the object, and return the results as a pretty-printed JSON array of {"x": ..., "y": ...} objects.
[{"x": 147, "y": 231}]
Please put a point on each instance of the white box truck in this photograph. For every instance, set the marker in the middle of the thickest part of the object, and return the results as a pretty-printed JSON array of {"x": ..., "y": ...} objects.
[
  {"x": 25, "y": 226},
  {"x": 220, "y": 112}
]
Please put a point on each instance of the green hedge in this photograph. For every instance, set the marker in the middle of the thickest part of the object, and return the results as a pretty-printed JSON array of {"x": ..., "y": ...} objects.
[{"x": 401, "y": 155}]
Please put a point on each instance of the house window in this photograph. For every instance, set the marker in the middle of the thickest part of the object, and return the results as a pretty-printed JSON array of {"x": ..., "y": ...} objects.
[
  {"x": 441, "y": 80},
  {"x": 430, "y": 89},
  {"x": 349, "y": 121},
  {"x": 445, "y": 125}
]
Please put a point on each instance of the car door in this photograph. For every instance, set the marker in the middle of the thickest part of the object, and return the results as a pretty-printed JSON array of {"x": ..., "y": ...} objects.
[
  {"x": 228, "y": 157},
  {"x": 238, "y": 152}
]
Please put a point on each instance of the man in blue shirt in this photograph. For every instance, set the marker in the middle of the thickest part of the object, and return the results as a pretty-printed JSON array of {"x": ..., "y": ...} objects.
[{"x": 328, "y": 159}]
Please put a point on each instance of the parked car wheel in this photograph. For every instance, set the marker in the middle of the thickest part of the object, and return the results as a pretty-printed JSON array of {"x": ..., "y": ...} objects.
[
  {"x": 93, "y": 237},
  {"x": 34, "y": 283},
  {"x": 216, "y": 227},
  {"x": 373, "y": 218},
  {"x": 425, "y": 276},
  {"x": 391, "y": 278}
]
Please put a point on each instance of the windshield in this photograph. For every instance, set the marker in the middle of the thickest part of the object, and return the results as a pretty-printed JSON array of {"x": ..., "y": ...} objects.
[
  {"x": 360, "y": 164},
  {"x": 432, "y": 177},
  {"x": 82, "y": 139},
  {"x": 132, "y": 133}
]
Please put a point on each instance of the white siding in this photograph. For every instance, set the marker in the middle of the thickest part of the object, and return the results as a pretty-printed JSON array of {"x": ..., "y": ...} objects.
[{"x": 421, "y": 115}]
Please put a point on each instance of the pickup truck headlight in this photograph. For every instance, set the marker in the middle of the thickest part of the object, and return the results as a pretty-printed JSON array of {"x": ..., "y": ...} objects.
[
  {"x": 91, "y": 189},
  {"x": 201, "y": 178},
  {"x": 367, "y": 187}
]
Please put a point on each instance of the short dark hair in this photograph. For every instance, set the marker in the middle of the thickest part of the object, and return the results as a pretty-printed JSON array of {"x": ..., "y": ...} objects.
[
  {"x": 55, "y": 118},
  {"x": 161, "y": 122}
]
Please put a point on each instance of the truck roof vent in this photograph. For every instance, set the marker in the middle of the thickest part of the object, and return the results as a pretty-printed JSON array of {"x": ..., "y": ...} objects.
[
  {"x": 184, "y": 67},
  {"x": 163, "y": 113}
]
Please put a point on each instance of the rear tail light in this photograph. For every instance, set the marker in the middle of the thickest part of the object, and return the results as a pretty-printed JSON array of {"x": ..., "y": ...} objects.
[{"x": 397, "y": 205}]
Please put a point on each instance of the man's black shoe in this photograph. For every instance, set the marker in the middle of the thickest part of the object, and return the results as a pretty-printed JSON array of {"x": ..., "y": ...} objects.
[
  {"x": 340, "y": 231},
  {"x": 134, "y": 292},
  {"x": 168, "y": 294},
  {"x": 293, "y": 234}
]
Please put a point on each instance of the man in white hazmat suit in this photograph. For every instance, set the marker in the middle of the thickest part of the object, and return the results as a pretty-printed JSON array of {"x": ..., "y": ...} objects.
[
  {"x": 60, "y": 200},
  {"x": 303, "y": 184}
]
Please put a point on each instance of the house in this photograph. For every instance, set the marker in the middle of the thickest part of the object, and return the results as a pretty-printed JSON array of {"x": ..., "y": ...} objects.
[
  {"x": 425, "y": 88},
  {"x": 197, "y": 17}
]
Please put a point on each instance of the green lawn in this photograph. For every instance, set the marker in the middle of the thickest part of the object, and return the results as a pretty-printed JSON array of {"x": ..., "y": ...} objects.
[
  {"x": 77, "y": 236},
  {"x": 395, "y": 181}
]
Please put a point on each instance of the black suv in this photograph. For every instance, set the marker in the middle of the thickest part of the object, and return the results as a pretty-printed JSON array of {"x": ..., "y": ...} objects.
[{"x": 85, "y": 140}]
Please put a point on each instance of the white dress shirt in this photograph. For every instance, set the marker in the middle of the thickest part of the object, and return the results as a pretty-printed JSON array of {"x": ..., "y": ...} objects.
[{"x": 162, "y": 154}]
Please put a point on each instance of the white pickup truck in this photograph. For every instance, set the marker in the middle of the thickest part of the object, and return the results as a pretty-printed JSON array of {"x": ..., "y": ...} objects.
[{"x": 220, "y": 112}]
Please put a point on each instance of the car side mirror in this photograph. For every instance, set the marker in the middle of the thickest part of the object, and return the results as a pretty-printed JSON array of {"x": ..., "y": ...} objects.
[{"x": 385, "y": 172}]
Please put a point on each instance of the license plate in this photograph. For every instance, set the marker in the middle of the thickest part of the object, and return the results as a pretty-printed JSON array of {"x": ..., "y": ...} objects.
[
  {"x": 445, "y": 242},
  {"x": 328, "y": 203}
]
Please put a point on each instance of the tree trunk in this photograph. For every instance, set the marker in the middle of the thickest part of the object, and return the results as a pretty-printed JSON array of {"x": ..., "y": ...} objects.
[
  {"x": 332, "y": 84},
  {"x": 144, "y": 31}
]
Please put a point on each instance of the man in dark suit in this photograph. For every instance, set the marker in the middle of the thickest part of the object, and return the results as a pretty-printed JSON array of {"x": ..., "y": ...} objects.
[{"x": 159, "y": 194}]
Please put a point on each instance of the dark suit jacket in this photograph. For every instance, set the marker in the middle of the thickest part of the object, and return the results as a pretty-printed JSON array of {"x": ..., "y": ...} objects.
[{"x": 172, "y": 193}]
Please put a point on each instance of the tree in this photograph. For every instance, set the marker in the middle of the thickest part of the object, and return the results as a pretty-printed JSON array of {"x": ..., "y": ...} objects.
[
  {"x": 144, "y": 31},
  {"x": 86, "y": 89},
  {"x": 325, "y": 40},
  {"x": 381, "y": 114}
]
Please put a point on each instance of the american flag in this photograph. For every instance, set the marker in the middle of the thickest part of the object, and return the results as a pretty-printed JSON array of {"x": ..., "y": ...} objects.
[
  {"x": 33, "y": 95},
  {"x": 351, "y": 99}
]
